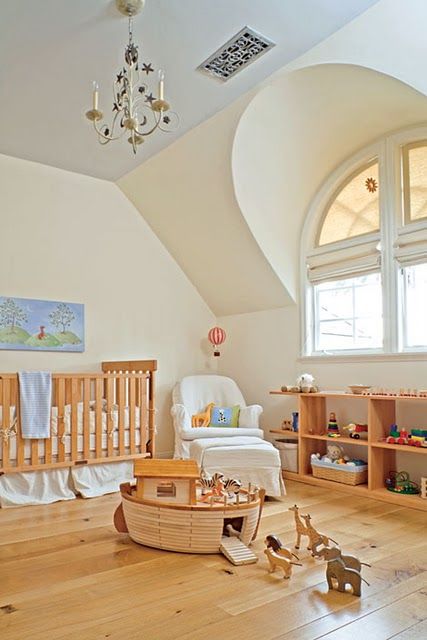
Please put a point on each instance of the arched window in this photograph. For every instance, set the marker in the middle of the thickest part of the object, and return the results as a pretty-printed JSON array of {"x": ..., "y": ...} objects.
[
  {"x": 365, "y": 253},
  {"x": 354, "y": 210}
]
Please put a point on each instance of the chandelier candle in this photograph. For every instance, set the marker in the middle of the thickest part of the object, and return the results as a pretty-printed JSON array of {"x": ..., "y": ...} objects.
[
  {"x": 161, "y": 84},
  {"x": 136, "y": 111},
  {"x": 95, "y": 95}
]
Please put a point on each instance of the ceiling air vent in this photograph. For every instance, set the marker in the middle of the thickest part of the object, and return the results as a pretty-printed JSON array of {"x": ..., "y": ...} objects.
[{"x": 245, "y": 47}]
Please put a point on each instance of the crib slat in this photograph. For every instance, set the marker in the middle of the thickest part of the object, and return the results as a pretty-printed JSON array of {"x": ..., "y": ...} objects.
[
  {"x": 5, "y": 423},
  {"x": 35, "y": 451},
  {"x": 47, "y": 443},
  {"x": 74, "y": 416},
  {"x": 60, "y": 402},
  {"x": 20, "y": 451},
  {"x": 121, "y": 401},
  {"x": 86, "y": 418},
  {"x": 109, "y": 396},
  {"x": 143, "y": 412},
  {"x": 131, "y": 404},
  {"x": 98, "y": 416}
]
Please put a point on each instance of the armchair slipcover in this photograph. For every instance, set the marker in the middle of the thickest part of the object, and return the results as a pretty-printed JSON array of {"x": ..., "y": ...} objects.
[
  {"x": 193, "y": 394},
  {"x": 240, "y": 452}
]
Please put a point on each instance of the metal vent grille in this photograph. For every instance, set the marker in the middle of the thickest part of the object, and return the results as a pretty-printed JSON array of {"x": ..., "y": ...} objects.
[{"x": 245, "y": 47}]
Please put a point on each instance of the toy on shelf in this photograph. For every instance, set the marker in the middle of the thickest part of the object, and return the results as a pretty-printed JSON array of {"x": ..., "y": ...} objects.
[
  {"x": 424, "y": 488},
  {"x": 300, "y": 528},
  {"x": 316, "y": 538},
  {"x": 357, "y": 431},
  {"x": 304, "y": 384},
  {"x": 399, "y": 482},
  {"x": 335, "y": 453},
  {"x": 341, "y": 571},
  {"x": 287, "y": 425},
  {"x": 417, "y": 437},
  {"x": 279, "y": 557},
  {"x": 338, "y": 467},
  {"x": 393, "y": 393},
  {"x": 203, "y": 418},
  {"x": 295, "y": 421},
  {"x": 333, "y": 430}
]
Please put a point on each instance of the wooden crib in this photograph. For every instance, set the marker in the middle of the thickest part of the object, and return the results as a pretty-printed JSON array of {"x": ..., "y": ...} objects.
[{"x": 96, "y": 418}]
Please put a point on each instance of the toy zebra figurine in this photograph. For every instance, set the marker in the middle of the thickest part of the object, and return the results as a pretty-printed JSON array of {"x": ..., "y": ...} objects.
[
  {"x": 232, "y": 486},
  {"x": 209, "y": 482}
]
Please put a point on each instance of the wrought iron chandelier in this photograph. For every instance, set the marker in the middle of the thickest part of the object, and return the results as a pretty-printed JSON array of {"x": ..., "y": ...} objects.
[{"x": 136, "y": 110}]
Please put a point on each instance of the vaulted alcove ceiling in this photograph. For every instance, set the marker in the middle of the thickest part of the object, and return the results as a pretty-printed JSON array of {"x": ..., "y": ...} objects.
[
  {"x": 52, "y": 50},
  {"x": 229, "y": 199}
]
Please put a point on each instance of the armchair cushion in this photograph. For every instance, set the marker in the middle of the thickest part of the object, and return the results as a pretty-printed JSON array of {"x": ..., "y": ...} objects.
[{"x": 225, "y": 416}]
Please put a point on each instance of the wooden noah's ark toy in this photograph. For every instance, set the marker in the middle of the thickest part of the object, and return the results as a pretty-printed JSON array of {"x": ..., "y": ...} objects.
[{"x": 173, "y": 507}]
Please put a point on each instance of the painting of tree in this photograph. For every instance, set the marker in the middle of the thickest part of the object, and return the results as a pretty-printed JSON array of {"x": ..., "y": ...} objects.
[
  {"x": 11, "y": 314},
  {"x": 62, "y": 317}
]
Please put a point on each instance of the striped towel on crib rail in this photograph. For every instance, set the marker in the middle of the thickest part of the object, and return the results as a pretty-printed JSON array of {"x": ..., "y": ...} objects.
[{"x": 35, "y": 392}]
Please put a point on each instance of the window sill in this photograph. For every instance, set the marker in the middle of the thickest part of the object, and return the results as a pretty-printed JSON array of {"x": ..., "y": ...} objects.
[{"x": 366, "y": 357}]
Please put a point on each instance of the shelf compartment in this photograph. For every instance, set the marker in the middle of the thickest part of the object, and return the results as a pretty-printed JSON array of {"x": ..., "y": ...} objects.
[
  {"x": 404, "y": 448},
  {"x": 341, "y": 440}
]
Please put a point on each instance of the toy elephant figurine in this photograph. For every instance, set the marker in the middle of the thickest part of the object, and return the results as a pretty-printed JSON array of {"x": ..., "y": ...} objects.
[
  {"x": 343, "y": 574},
  {"x": 350, "y": 562}
]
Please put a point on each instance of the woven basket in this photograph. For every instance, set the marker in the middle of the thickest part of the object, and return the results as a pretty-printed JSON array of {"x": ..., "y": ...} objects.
[{"x": 340, "y": 473}]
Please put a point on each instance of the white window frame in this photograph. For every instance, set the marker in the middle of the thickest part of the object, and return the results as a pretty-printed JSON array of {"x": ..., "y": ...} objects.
[{"x": 394, "y": 234}]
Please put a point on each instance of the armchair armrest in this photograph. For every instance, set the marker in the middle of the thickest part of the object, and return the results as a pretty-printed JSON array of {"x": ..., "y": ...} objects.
[
  {"x": 249, "y": 416},
  {"x": 181, "y": 418}
]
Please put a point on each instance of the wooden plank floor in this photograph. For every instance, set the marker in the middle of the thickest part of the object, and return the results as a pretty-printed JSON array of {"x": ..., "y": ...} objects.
[{"x": 65, "y": 574}]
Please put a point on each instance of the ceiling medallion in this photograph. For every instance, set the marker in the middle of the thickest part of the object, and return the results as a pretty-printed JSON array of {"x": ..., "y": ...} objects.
[
  {"x": 137, "y": 111},
  {"x": 371, "y": 184}
]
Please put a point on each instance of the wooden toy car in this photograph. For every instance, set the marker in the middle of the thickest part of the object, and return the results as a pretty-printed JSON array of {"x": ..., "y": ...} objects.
[{"x": 358, "y": 431}]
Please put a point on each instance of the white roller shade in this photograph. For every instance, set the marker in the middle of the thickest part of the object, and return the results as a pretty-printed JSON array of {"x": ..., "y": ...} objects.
[
  {"x": 411, "y": 247},
  {"x": 349, "y": 262}
]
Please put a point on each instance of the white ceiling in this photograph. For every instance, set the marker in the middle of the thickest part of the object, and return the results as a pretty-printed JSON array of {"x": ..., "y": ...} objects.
[{"x": 52, "y": 50}]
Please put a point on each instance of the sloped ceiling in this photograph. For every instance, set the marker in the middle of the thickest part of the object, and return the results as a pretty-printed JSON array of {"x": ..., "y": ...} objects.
[
  {"x": 52, "y": 50},
  {"x": 186, "y": 195},
  {"x": 242, "y": 254}
]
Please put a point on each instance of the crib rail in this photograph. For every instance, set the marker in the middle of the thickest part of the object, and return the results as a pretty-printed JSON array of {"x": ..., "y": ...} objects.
[{"x": 96, "y": 417}]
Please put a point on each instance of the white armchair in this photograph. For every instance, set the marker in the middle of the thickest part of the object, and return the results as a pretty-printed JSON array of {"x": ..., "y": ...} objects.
[
  {"x": 238, "y": 452},
  {"x": 193, "y": 394}
]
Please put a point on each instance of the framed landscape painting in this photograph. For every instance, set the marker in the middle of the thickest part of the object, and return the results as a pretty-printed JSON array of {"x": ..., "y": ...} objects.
[{"x": 41, "y": 325}]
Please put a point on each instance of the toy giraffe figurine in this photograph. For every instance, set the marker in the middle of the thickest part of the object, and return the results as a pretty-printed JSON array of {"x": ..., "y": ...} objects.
[
  {"x": 316, "y": 538},
  {"x": 301, "y": 530},
  {"x": 203, "y": 418}
]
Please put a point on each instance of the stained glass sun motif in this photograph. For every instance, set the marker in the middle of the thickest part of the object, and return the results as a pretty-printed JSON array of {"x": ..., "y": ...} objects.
[{"x": 354, "y": 210}]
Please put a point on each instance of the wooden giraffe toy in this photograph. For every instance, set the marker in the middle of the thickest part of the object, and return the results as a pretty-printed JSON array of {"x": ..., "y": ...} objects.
[
  {"x": 316, "y": 538},
  {"x": 203, "y": 418},
  {"x": 301, "y": 530}
]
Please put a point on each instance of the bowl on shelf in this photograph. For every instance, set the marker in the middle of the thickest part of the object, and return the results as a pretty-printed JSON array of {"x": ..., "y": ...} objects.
[{"x": 358, "y": 389}]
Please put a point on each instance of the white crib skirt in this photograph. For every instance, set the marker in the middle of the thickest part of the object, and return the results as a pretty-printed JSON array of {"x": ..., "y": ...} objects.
[
  {"x": 35, "y": 487},
  {"x": 98, "y": 479},
  {"x": 45, "y": 487}
]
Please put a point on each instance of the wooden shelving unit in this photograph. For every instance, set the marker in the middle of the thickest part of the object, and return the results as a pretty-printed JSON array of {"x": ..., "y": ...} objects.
[{"x": 381, "y": 412}]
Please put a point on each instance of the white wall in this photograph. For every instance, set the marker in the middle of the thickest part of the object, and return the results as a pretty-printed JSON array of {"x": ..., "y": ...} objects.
[
  {"x": 262, "y": 354},
  {"x": 64, "y": 236}
]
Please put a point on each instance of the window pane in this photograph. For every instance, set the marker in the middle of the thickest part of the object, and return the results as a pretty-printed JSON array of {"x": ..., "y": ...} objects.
[
  {"x": 348, "y": 313},
  {"x": 415, "y": 305},
  {"x": 415, "y": 182},
  {"x": 355, "y": 210}
]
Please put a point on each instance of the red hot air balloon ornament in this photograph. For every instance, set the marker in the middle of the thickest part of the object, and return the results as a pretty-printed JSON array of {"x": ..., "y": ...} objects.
[{"x": 216, "y": 337}]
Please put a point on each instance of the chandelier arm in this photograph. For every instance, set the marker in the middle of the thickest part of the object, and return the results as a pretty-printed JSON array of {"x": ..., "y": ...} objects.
[
  {"x": 104, "y": 137},
  {"x": 150, "y": 131}
]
